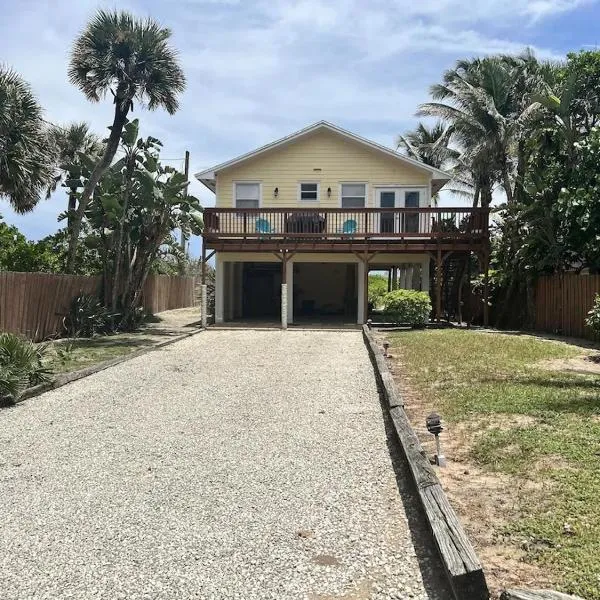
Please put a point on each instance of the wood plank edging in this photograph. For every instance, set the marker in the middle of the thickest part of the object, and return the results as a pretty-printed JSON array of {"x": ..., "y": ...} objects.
[
  {"x": 65, "y": 378},
  {"x": 461, "y": 564}
]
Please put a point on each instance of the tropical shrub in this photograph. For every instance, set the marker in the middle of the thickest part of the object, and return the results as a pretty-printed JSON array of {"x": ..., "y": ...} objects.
[
  {"x": 593, "y": 318},
  {"x": 22, "y": 365},
  {"x": 378, "y": 287},
  {"x": 408, "y": 307},
  {"x": 87, "y": 317}
]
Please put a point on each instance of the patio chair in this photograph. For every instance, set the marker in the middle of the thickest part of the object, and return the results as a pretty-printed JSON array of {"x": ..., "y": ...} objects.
[
  {"x": 263, "y": 226},
  {"x": 349, "y": 227}
]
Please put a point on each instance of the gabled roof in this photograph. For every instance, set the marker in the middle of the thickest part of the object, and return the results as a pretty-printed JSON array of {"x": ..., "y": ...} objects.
[{"x": 207, "y": 177}]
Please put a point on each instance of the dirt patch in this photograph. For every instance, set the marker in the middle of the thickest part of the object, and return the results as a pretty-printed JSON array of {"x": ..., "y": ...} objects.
[
  {"x": 486, "y": 502},
  {"x": 586, "y": 365}
]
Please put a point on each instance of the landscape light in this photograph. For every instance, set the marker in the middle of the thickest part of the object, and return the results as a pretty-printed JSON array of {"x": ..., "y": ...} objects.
[
  {"x": 369, "y": 323},
  {"x": 434, "y": 425},
  {"x": 386, "y": 345}
]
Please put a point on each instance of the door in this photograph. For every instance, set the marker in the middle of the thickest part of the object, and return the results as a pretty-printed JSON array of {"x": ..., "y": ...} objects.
[{"x": 396, "y": 222}]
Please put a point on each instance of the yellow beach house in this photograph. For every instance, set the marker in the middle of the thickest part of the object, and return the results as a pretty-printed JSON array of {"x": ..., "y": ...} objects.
[{"x": 299, "y": 223}]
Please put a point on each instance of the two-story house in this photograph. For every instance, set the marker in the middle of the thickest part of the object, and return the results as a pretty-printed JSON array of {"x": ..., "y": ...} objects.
[{"x": 299, "y": 223}]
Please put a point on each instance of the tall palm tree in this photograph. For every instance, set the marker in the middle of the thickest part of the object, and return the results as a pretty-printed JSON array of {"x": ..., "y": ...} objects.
[
  {"x": 480, "y": 99},
  {"x": 132, "y": 59},
  {"x": 25, "y": 163},
  {"x": 68, "y": 144},
  {"x": 428, "y": 144}
]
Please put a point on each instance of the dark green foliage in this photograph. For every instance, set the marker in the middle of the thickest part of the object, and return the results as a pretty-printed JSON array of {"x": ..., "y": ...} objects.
[
  {"x": 87, "y": 317},
  {"x": 25, "y": 159},
  {"x": 21, "y": 365},
  {"x": 408, "y": 307}
]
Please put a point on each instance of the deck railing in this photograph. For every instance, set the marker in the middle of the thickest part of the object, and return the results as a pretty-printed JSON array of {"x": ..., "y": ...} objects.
[{"x": 345, "y": 223}]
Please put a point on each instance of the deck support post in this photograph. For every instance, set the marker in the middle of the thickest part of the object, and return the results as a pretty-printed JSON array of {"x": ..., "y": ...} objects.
[
  {"x": 284, "y": 290},
  {"x": 439, "y": 266},
  {"x": 394, "y": 278},
  {"x": 219, "y": 290},
  {"x": 366, "y": 287},
  {"x": 469, "y": 292},
  {"x": 486, "y": 288}
]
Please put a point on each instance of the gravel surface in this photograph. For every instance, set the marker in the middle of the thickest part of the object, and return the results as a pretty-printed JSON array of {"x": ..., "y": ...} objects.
[{"x": 232, "y": 464}]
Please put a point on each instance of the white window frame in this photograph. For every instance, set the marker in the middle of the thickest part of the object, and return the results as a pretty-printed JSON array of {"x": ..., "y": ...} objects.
[
  {"x": 343, "y": 183},
  {"x": 303, "y": 200},
  {"x": 243, "y": 181},
  {"x": 424, "y": 190}
]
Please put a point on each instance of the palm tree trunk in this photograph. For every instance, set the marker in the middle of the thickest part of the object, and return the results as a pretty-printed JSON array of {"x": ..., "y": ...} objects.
[
  {"x": 109, "y": 153},
  {"x": 116, "y": 284},
  {"x": 476, "y": 195},
  {"x": 507, "y": 184}
]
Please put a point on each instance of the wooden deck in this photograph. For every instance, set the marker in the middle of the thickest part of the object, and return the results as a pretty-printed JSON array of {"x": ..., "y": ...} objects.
[{"x": 346, "y": 230}]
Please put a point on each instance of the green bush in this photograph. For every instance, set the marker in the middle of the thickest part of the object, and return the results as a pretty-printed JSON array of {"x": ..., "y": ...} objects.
[
  {"x": 408, "y": 307},
  {"x": 87, "y": 317},
  {"x": 378, "y": 286},
  {"x": 21, "y": 365},
  {"x": 593, "y": 318}
]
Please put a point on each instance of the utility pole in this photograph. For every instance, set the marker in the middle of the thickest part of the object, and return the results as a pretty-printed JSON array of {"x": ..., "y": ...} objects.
[{"x": 183, "y": 243}]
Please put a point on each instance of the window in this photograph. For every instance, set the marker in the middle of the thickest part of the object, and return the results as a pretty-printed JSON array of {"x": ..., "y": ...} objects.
[
  {"x": 309, "y": 192},
  {"x": 411, "y": 220},
  {"x": 247, "y": 195},
  {"x": 354, "y": 195}
]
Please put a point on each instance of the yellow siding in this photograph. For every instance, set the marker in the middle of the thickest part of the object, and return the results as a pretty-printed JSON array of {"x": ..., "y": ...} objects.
[{"x": 339, "y": 160}]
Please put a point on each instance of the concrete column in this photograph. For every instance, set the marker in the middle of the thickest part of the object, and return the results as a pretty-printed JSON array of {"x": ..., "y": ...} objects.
[
  {"x": 362, "y": 309},
  {"x": 289, "y": 280},
  {"x": 425, "y": 275},
  {"x": 219, "y": 285},
  {"x": 284, "y": 306},
  {"x": 204, "y": 305},
  {"x": 403, "y": 277}
]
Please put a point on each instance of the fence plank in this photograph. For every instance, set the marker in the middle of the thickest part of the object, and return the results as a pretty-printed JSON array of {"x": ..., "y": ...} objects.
[
  {"x": 33, "y": 304},
  {"x": 563, "y": 301}
]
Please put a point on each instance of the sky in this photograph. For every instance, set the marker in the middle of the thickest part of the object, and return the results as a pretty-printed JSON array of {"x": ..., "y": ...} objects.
[{"x": 258, "y": 70}]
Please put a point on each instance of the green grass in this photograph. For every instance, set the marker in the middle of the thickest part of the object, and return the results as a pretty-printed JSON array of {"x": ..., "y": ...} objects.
[
  {"x": 72, "y": 356},
  {"x": 490, "y": 380}
]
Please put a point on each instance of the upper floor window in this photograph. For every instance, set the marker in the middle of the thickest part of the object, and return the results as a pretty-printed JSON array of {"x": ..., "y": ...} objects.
[
  {"x": 309, "y": 191},
  {"x": 354, "y": 195},
  {"x": 247, "y": 195}
]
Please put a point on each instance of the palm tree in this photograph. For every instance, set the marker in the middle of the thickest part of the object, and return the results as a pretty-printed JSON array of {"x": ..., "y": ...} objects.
[
  {"x": 488, "y": 114},
  {"x": 25, "y": 163},
  {"x": 68, "y": 144},
  {"x": 428, "y": 144},
  {"x": 132, "y": 59}
]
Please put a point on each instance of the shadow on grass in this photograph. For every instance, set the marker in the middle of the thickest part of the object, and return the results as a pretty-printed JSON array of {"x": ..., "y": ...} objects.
[
  {"x": 563, "y": 394},
  {"x": 111, "y": 342},
  {"x": 435, "y": 583}
]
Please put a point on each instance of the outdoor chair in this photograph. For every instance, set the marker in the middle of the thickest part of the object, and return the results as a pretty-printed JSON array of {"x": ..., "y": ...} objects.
[
  {"x": 349, "y": 227},
  {"x": 263, "y": 226}
]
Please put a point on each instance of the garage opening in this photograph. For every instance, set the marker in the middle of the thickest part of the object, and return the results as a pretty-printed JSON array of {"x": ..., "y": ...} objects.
[
  {"x": 325, "y": 291},
  {"x": 261, "y": 291}
]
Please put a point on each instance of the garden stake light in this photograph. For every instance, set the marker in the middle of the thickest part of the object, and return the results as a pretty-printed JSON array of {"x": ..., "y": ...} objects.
[
  {"x": 434, "y": 426},
  {"x": 386, "y": 345}
]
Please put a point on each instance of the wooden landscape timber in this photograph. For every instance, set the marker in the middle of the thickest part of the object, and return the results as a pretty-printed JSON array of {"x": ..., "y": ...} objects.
[
  {"x": 536, "y": 595},
  {"x": 461, "y": 564}
]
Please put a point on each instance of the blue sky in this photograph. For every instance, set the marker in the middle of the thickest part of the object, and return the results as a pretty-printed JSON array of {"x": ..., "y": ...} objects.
[{"x": 260, "y": 69}]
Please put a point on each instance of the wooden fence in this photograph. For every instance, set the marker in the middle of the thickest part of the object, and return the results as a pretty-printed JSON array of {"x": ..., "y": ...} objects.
[
  {"x": 33, "y": 304},
  {"x": 563, "y": 301}
]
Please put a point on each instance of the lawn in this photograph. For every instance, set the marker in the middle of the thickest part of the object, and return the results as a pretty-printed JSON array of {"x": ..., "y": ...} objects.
[
  {"x": 523, "y": 442},
  {"x": 72, "y": 356}
]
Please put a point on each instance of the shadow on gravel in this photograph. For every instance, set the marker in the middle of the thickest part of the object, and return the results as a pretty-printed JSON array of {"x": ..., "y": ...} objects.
[{"x": 432, "y": 571}]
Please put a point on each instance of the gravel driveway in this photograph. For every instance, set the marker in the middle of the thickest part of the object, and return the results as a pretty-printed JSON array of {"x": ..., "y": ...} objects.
[{"x": 232, "y": 464}]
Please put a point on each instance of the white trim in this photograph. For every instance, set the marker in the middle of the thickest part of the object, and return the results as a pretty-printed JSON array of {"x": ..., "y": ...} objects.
[
  {"x": 252, "y": 181},
  {"x": 207, "y": 177},
  {"x": 299, "y": 194},
  {"x": 365, "y": 183}
]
